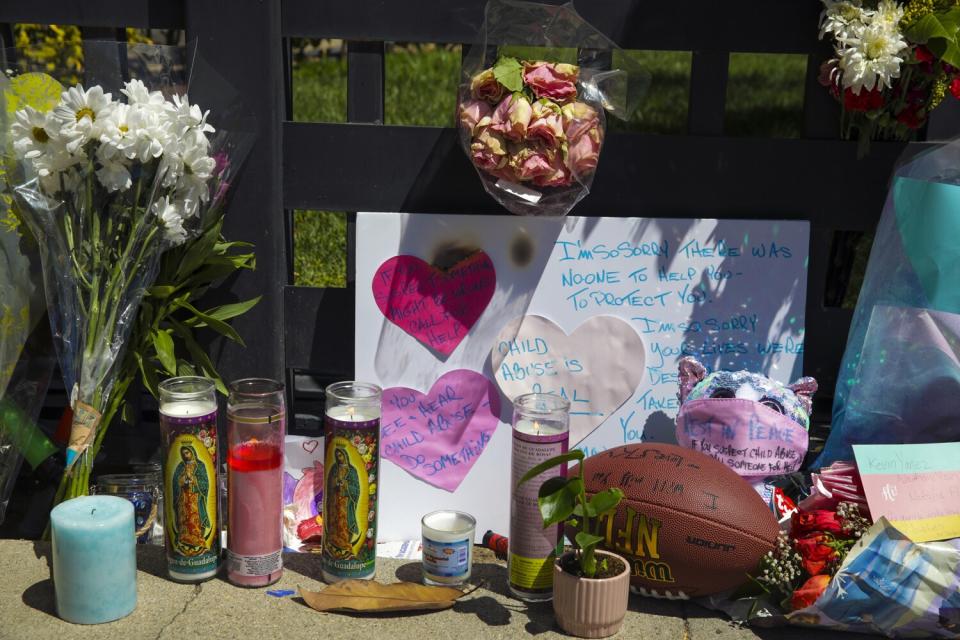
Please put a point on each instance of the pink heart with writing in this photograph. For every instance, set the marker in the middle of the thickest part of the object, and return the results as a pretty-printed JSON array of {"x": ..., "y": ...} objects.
[
  {"x": 436, "y": 307},
  {"x": 438, "y": 436}
]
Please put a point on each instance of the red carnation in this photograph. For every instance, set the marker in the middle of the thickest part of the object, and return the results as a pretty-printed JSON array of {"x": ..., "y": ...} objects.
[
  {"x": 865, "y": 101},
  {"x": 809, "y": 592},
  {"x": 911, "y": 117},
  {"x": 923, "y": 54},
  {"x": 955, "y": 87},
  {"x": 817, "y": 521}
]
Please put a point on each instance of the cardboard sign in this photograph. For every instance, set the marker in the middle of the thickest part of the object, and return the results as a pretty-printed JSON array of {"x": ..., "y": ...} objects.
[{"x": 915, "y": 486}]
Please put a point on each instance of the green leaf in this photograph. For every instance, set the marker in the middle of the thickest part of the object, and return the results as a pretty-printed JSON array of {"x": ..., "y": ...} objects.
[
  {"x": 199, "y": 250},
  {"x": 163, "y": 344},
  {"x": 938, "y": 30},
  {"x": 604, "y": 501},
  {"x": 199, "y": 355},
  {"x": 149, "y": 374},
  {"x": 219, "y": 326},
  {"x": 184, "y": 368},
  {"x": 227, "y": 311},
  {"x": 161, "y": 292},
  {"x": 557, "y": 497},
  {"x": 509, "y": 73},
  {"x": 556, "y": 461},
  {"x": 586, "y": 540}
]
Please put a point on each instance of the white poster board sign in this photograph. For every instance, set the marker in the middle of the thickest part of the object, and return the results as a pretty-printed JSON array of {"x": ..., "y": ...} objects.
[{"x": 730, "y": 292}]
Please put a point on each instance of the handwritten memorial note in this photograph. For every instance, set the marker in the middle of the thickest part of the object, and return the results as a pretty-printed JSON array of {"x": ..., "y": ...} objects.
[
  {"x": 915, "y": 486},
  {"x": 440, "y": 435},
  {"x": 596, "y": 368},
  {"x": 730, "y": 292},
  {"x": 436, "y": 307}
]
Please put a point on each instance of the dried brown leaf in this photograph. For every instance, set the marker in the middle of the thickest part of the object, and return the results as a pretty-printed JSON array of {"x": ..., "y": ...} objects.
[{"x": 367, "y": 596}]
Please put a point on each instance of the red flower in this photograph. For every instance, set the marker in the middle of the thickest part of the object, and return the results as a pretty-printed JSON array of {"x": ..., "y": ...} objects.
[
  {"x": 817, "y": 521},
  {"x": 809, "y": 592},
  {"x": 817, "y": 552},
  {"x": 955, "y": 87},
  {"x": 865, "y": 101},
  {"x": 923, "y": 54},
  {"x": 911, "y": 117}
]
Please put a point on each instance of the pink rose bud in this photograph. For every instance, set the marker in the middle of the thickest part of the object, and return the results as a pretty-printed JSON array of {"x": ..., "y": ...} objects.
[
  {"x": 474, "y": 113},
  {"x": 548, "y": 80},
  {"x": 489, "y": 151},
  {"x": 578, "y": 118},
  {"x": 530, "y": 162},
  {"x": 511, "y": 117},
  {"x": 559, "y": 175},
  {"x": 484, "y": 86},
  {"x": 584, "y": 153},
  {"x": 546, "y": 123}
]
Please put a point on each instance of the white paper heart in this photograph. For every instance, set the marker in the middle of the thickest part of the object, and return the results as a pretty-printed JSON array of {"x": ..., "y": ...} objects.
[{"x": 597, "y": 367}]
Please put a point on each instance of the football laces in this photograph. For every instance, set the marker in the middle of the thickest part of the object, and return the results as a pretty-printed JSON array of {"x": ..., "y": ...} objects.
[{"x": 663, "y": 595}]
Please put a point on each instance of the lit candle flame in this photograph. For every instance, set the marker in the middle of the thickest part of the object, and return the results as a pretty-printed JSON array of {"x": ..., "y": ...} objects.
[
  {"x": 536, "y": 427},
  {"x": 350, "y": 412}
]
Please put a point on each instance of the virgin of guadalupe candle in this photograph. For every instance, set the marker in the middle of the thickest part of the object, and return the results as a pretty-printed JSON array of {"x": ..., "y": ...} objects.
[
  {"x": 94, "y": 559},
  {"x": 351, "y": 468},
  {"x": 541, "y": 430},
  {"x": 188, "y": 431},
  {"x": 256, "y": 425}
]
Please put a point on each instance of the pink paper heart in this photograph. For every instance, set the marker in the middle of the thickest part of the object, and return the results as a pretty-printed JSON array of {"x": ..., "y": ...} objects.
[
  {"x": 438, "y": 436},
  {"x": 310, "y": 445},
  {"x": 436, "y": 307}
]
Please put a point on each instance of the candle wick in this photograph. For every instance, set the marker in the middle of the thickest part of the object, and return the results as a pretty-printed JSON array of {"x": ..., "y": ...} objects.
[{"x": 92, "y": 510}]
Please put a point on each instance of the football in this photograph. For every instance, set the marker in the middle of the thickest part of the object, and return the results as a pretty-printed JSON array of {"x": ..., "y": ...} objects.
[{"x": 688, "y": 525}]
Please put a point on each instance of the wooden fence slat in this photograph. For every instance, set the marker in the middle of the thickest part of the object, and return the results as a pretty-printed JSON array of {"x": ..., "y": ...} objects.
[
  {"x": 639, "y": 175},
  {"x": 143, "y": 14},
  {"x": 241, "y": 42},
  {"x": 320, "y": 330},
  {"x": 708, "y": 93},
  {"x": 733, "y": 25}
]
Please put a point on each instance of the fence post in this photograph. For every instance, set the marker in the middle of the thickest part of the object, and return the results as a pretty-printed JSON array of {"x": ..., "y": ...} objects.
[{"x": 241, "y": 42}]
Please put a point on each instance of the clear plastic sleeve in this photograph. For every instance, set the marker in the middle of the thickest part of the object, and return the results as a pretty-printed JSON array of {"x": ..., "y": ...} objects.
[
  {"x": 532, "y": 104},
  {"x": 108, "y": 174}
]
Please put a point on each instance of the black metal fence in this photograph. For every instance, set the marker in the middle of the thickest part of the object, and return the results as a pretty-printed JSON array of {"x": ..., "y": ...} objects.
[{"x": 702, "y": 173}]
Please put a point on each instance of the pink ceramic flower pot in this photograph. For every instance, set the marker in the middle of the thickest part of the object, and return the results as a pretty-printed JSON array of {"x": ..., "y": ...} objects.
[{"x": 590, "y": 608}]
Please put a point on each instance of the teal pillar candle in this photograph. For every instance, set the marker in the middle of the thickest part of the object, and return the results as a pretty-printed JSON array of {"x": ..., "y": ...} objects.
[{"x": 94, "y": 559}]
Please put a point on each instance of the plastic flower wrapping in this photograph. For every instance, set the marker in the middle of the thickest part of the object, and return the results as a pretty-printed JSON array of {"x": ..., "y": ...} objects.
[
  {"x": 532, "y": 102},
  {"x": 108, "y": 175},
  {"x": 833, "y": 568},
  {"x": 892, "y": 64}
]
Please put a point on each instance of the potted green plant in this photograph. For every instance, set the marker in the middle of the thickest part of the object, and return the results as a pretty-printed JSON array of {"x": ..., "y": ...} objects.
[{"x": 590, "y": 586}]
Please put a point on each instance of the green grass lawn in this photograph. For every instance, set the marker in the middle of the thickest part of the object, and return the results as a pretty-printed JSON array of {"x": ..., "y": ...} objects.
[{"x": 764, "y": 98}]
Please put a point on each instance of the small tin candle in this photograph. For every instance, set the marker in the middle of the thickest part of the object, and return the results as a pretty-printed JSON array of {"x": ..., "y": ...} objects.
[{"x": 447, "y": 547}]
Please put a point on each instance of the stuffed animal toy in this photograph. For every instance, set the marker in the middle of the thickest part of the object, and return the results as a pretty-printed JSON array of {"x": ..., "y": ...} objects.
[{"x": 755, "y": 425}]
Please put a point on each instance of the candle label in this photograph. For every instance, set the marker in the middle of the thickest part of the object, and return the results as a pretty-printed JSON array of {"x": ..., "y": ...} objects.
[
  {"x": 446, "y": 559},
  {"x": 190, "y": 490},
  {"x": 257, "y": 566},
  {"x": 531, "y": 547},
  {"x": 351, "y": 464}
]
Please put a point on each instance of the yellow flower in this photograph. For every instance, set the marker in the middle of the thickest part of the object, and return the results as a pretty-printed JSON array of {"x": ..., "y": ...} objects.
[
  {"x": 373, "y": 488},
  {"x": 367, "y": 457}
]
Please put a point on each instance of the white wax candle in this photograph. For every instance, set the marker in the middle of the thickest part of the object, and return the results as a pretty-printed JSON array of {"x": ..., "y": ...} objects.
[
  {"x": 354, "y": 414},
  {"x": 540, "y": 427},
  {"x": 187, "y": 408}
]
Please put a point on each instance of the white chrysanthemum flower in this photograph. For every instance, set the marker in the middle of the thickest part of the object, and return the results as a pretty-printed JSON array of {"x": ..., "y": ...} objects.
[
  {"x": 120, "y": 133},
  {"x": 153, "y": 134},
  {"x": 171, "y": 217},
  {"x": 188, "y": 116},
  {"x": 888, "y": 14},
  {"x": 192, "y": 187},
  {"x": 841, "y": 17},
  {"x": 138, "y": 93},
  {"x": 31, "y": 133},
  {"x": 871, "y": 58},
  {"x": 80, "y": 115},
  {"x": 113, "y": 173}
]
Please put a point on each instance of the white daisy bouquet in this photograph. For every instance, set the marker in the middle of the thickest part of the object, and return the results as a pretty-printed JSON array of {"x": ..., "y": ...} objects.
[
  {"x": 893, "y": 63},
  {"x": 107, "y": 183}
]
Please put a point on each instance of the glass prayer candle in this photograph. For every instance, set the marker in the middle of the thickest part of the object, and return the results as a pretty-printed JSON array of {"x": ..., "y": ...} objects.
[
  {"x": 351, "y": 470},
  {"x": 541, "y": 430},
  {"x": 447, "y": 546},
  {"x": 256, "y": 426},
  {"x": 188, "y": 432}
]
